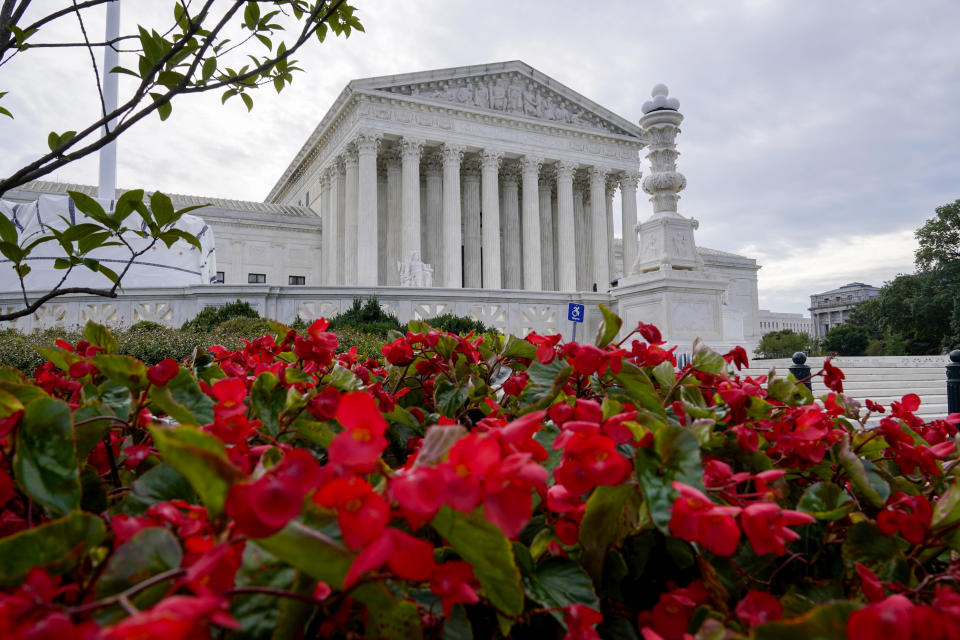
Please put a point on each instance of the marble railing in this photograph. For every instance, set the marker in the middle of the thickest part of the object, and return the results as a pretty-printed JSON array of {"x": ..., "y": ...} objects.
[{"x": 514, "y": 312}]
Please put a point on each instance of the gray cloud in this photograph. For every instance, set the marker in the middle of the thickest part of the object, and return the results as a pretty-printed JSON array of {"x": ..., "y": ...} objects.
[{"x": 817, "y": 135}]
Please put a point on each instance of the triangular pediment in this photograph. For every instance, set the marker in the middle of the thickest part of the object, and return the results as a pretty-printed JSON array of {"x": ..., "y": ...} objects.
[{"x": 512, "y": 88}]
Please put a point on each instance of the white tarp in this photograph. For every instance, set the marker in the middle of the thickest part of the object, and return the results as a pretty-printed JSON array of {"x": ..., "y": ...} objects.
[{"x": 180, "y": 265}]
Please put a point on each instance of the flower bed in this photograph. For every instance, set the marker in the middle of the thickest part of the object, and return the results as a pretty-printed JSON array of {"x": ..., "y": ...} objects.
[{"x": 465, "y": 487}]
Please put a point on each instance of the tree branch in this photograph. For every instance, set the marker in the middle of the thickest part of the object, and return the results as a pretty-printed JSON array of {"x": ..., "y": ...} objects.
[{"x": 39, "y": 302}]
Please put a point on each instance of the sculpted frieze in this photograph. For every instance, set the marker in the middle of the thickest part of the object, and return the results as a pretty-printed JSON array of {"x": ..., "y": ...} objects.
[{"x": 509, "y": 93}]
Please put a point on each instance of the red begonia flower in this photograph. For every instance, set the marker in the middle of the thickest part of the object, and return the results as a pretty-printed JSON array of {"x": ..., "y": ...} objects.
[
  {"x": 455, "y": 584},
  {"x": 695, "y": 518},
  {"x": 323, "y": 406},
  {"x": 872, "y": 586},
  {"x": 398, "y": 353},
  {"x": 758, "y": 607},
  {"x": 581, "y": 621},
  {"x": 361, "y": 513},
  {"x": 163, "y": 372},
  {"x": 889, "y": 618},
  {"x": 832, "y": 377},
  {"x": 910, "y": 515},
  {"x": 362, "y": 441},
  {"x": 419, "y": 490},
  {"x": 174, "y": 618},
  {"x": 765, "y": 524}
]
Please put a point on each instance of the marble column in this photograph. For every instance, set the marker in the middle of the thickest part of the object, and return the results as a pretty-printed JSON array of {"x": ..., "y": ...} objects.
[
  {"x": 598, "y": 228},
  {"x": 352, "y": 164},
  {"x": 532, "y": 253},
  {"x": 410, "y": 199},
  {"x": 566, "y": 229},
  {"x": 394, "y": 225},
  {"x": 367, "y": 253},
  {"x": 628, "y": 218},
  {"x": 450, "y": 242},
  {"x": 582, "y": 232},
  {"x": 472, "y": 273},
  {"x": 611, "y": 187},
  {"x": 339, "y": 197},
  {"x": 326, "y": 240},
  {"x": 433, "y": 170},
  {"x": 545, "y": 193},
  {"x": 512, "y": 274},
  {"x": 383, "y": 222},
  {"x": 490, "y": 217}
]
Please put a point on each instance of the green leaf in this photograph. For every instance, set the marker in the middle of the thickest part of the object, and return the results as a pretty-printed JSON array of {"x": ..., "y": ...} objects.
[
  {"x": 449, "y": 397},
  {"x": 45, "y": 462},
  {"x": 827, "y": 622},
  {"x": 209, "y": 66},
  {"x": 612, "y": 513},
  {"x": 247, "y": 100},
  {"x": 400, "y": 622},
  {"x": 867, "y": 544},
  {"x": 457, "y": 625},
  {"x": 826, "y": 501},
  {"x": 8, "y": 230},
  {"x": 162, "y": 483},
  {"x": 202, "y": 460},
  {"x": 89, "y": 206},
  {"x": 162, "y": 208},
  {"x": 869, "y": 486},
  {"x": 608, "y": 328},
  {"x": 560, "y": 582},
  {"x": 150, "y": 551},
  {"x": 546, "y": 381},
  {"x": 56, "y": 545},
  {"x": 675, "y": 457},
  {"x": 164, "y": 109},
  {"x": 342, "y": 379},
  {"x": 636, "y": 388},
  {"x": 518, "y": 348},
  {"x": 99, "y": 335},
  {"x": 124, "y": 370},
  {"x": 183, "y": 400},
  {"x": 946, "y": 511},
  {"x": 706, "y": 359},
  {"x": 267, "y": 398},
  {"x": 483, "y": 545},
  {"x": 310, "y": 551}
]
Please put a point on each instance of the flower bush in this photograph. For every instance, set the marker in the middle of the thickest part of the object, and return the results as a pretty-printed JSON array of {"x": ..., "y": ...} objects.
[{"x": 465, "y": 487}]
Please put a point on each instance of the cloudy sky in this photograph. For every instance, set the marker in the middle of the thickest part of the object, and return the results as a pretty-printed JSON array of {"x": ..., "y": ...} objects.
[{"x": 818, "y": 135}]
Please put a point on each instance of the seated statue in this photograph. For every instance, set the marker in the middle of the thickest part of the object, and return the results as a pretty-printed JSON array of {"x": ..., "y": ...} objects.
[{"x": 415, "y": 273}]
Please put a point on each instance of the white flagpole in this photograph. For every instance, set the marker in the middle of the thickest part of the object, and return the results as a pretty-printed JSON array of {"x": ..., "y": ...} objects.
[{"x": 108, "y": 153}]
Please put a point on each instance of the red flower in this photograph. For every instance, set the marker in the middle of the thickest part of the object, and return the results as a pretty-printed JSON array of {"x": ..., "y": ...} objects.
[
  {"x": 362, "y": 441},
  {"x": 695, "y": 518},
  {"x": 408, "y": 558},
  {"x": 758, "y": 607},
  {"x": 361, "y": 513},
  {"x": 650, "y": 333},
  {"x": 8, "y": 423},
  {"x": 455, "y": 584},
  {"x": 872, "y": 587},
  {"x": 323, "y": 406},
  {"x": 765, "y": 524},
  {"x": 738, "y": 356},
  {"x": 263, "y": 507},
  {"x": 832, "y": 377},
  {"x": 81, "y": 368},
  {"x": 419, "y": 491},
  {"x": 163, "y": 372},
  {"x": 910, "y": 515},
  {"x": 398, "y": 352},
  {"x": 580, "y": 621},
  {"x": 672, "y": 614},
  {"x": 887, "y": 619},
  {"x": 175, "y": 618},
  {"x": 546, "y": 351},
  {"x": 590, "y": 459}
]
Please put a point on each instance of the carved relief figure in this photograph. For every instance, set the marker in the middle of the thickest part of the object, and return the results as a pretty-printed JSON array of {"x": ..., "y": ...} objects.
[
  {"x": 515, "y": 97},
  {"x": 548, "y": 108},
  {"x": 681, "y": 244},
  {"x": 562, "y": 114},
  {"x": 531, "y": 101},
  {"x": 499, "y": 101},
  {"x": 481, "y": 95},
  {"x": 464, "y": 94},
  {"x": 414, "y": 272}
]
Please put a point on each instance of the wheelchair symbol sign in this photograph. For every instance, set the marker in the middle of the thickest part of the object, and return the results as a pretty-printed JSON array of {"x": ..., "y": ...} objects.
[{"x": 575, "y": 312}]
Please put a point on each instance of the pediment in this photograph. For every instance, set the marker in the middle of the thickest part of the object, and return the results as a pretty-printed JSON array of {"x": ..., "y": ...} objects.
[{"x": 512, "y": 88}]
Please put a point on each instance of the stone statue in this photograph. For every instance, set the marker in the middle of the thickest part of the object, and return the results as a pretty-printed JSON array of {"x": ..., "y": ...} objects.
[
  {"x": 463, "y": 94},
  {"x": 531, "y": 101},
  {"x": 515, "y": 97},
  {"x": 499, "y": 101},
  {"x": 481, "y": 95},
  {"x": 415, "y": 273}
]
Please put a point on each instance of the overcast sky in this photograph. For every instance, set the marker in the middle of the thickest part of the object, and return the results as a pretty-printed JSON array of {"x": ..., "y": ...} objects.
[{"x": 818, "y": 134}]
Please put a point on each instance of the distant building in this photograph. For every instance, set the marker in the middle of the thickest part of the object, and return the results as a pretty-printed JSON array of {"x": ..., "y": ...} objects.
[
  {"x": 776, "y": 321},
  {"x": 832, "y": 308}
]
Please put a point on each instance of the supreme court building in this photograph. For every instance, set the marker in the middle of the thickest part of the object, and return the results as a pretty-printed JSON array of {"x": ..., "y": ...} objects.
[{"x": 496, "y": 176}]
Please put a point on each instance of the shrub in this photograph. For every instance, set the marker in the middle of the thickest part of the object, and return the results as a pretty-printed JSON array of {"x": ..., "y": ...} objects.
[
  {"x": 367, "y": 317},
  {"x": 210, "y": 317},
  {"x": 782, "y": 344},
  {"x": 592, "y": 493},
  {"x": 461, "y": 325}
]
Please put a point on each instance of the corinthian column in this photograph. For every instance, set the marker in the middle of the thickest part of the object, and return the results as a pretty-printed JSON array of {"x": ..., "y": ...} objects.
[
  {"x": 351, "y": 162},
  {"x": 338, "y": 200},
  {"x": 566, "y": 243},
  {"x": 628, "y": 218},
  {"x": 326, "y": 242},
  {"x": 490, "y": 212},
  {"x": 598, "y": 227},
  {"x": 383, "y": 221},
  {"x": 532, "y": 267},
  {"x": 547, "y": 177},
  {"x": 512, "y": 276},
  {"x": 410, "y": 207},
  {"x": 433, "y": 171},
  {"x": 582, "y": 231},
  {"x": 472, "y": 274},
  {"x": 394, "y": 226},
  {"x": 367, "y": 143},
  {"x": 451, "y": 272},
  {"x": 611, "y": 186}
]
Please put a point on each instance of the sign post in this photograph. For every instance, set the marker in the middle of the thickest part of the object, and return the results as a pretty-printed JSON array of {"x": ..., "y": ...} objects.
[{"x": 575, "y": 315}]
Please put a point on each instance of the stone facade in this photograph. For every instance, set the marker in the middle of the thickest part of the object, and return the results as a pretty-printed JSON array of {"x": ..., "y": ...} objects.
[
  {"x": 832, "y": 308},
  {"x": 777, "y": 321}
]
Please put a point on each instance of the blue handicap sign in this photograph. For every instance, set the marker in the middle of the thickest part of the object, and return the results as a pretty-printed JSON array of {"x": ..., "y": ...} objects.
[{"x": 575, "y": 312}]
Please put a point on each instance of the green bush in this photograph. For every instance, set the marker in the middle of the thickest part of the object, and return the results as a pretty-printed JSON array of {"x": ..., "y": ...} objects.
[
  {"x": 367, "y": 318},
  {"x": 368, "y": 345},
  {"x": 211, "y": 317},
  {"x": 461, "y": 325}
]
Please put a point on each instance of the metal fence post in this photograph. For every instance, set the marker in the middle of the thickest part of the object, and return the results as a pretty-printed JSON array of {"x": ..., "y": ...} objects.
[
  {"x": 801, "y": 371},
  {"x": 953, "y": 382}
]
